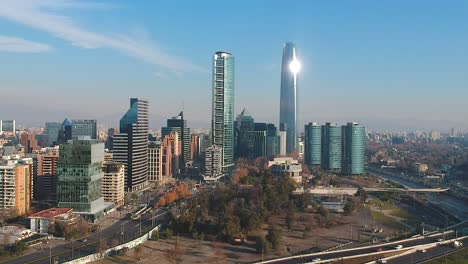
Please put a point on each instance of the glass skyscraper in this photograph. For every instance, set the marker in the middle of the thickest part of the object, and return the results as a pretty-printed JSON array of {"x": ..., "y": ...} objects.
[
  {"x": 354, "y": 144},
  {"x": 288, "y": 97},
  {"x": 80, "y": 178},
  {"x": 84, "y": 128},
  {"x": 179, "y": 125},
  {"x": 331, "y": 147},
  {"x": 313, "y": 144},
  {"x": 131, "y": 145},
  {"x": 222, "y": 116}
]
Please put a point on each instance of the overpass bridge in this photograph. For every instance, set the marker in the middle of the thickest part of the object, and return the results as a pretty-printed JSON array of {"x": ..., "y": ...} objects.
[{"x": 330, "y": 191}]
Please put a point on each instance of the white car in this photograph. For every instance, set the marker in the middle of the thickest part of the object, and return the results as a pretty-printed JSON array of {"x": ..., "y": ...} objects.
[
  {"x": 381, "y": 261},
  {"x": 422, "y": 250},
  {"x": 316, "y": 259},
  {"x": 398, "y": 247}
]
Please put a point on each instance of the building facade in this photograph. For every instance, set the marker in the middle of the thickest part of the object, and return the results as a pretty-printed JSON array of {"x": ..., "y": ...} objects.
[
  {"x": 113, "y": 183},
  {"x": 82, "y": 128},
  {"x": 286, "y": 166},
  {"x": 288, "y": 96},
  {"x": 155, "y": 162},
  {"x": 28, "y": 141},
  {"x": 313, "y": 144},
  {"x": 80, "y": 178},
  {"x": 179, "y": 124},
  {"x": 331, "y": 147},
  {"x": 354, "y": 148},
  {"x": 131, "y": 145},
  {"x": 213, "y": 163},
  {"x": 52, "y": 130},
  {"x": 222, "y": 117},
  {"x": 8, "y": 126},
  {"x": 15, "y": 187}
]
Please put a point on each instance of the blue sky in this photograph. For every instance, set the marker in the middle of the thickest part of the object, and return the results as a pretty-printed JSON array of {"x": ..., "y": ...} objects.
[{"x": 388, "y": 64}]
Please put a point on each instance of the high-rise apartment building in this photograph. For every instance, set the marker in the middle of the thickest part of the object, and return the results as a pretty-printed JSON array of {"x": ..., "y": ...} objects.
[
  {"x": 155, "y": 162},
  {"x": 16, "y": 186},
  {"x": 46, "y": 177},
  {"x": 222, "y": 116},
  {"x": 194, "y": 147},
  {"x": 175, "y": 147},
  {"x": 354, "y": 147},
  {"x": 8, "y": 126},
  {"x": 80, "y": 178},
  {"x": 113, "y": 183},
  {"x": 213, "y": 163},
  {"x": 82, "y": 128},
  {"x": 282, "y": 140},
  {"x": 179, "y": 124},
  {"x": 313, "y": 144},
  {"x": 331, "y": 147},
  {"x": 131, "y": 145},
  {"x": 288, "y": 98}
]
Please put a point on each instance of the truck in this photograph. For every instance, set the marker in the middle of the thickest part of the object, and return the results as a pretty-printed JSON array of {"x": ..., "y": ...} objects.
[{"x": 457, "y": 244}]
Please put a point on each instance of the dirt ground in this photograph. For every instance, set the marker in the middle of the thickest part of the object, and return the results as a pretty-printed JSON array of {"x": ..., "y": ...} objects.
[{"x": 347, "y": 229}]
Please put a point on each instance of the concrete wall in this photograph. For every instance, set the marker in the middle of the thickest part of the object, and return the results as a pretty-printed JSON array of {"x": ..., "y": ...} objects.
[{"x": 129, "y": 245}]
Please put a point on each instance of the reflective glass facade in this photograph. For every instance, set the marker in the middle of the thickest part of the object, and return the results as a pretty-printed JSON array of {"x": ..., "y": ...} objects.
[
  {"x": 222, "y": 123},
  {"x": 313, "y": 144},
  {"x": 331, "y": 147},
  {"x": 288, "y": 98},
  {"x": 80, "y": 177},
  {"x": 84, "y": 128},
  {"x": 354, "y": 144},
  {"x": 130, "y": 146}
]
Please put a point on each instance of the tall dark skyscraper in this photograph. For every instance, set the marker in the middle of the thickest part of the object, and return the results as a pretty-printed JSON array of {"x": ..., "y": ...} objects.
[
  {"x": 222, "y": 116},
  {"x": 179, "y": 124},
  {"x": 131, "y": 145},
  {"x": 288, "y": 98}
]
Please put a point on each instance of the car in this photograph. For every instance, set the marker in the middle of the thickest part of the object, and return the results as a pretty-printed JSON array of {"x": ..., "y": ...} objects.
[
  {"x": 316, "y": 259},
  {"x": 422, "y": 250},
  {"x": 398, "y": 247},
  {"x": 439, "y": 239},
  {"x": 84, "y": 240},
  {"x": 381, "y": 261}
]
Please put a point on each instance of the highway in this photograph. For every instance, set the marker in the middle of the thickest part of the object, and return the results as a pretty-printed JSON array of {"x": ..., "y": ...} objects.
[
  {"x": 359, "y": 251},
  {"x": 110, "y": 236},
  {"x": 430, "y": 253}
]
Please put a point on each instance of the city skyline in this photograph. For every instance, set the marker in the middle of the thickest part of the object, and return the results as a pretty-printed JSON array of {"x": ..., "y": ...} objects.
[{"x": 379, "y": 65}]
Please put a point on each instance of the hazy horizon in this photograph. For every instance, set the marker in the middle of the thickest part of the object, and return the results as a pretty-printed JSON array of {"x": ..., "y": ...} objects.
[{"x": 389, "y": 65}]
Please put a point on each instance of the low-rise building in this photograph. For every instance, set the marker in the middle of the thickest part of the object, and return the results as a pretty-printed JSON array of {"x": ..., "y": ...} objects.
[
  {"x": 286, "y": 166},
  {"x": 113, "y": 183},
  {"x": 41, "y": 222}
]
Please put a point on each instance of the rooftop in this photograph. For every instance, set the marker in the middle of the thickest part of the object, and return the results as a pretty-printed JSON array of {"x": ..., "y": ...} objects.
[{"x": 51, "y": 212}]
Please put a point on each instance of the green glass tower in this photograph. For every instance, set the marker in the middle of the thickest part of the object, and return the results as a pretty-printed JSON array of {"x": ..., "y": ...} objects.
[
  {"x": 80, "y": 178},
  {"x": 354, "y": 144},
  {"x": 313, "y": 144},
  {"x": 331, "y": 147},
  {"x": 222, "y": 116},
  {"x": 179, "y": 125}
]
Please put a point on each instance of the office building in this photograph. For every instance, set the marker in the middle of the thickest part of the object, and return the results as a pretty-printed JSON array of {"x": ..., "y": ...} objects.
[
  {"x": 257, "y": 144},
  {"x": 313, "y": 144},
  {"x": 222, "y": 117},
  {"x": 80, "y": 178},
  {"x": 155, "y": 162},
  {"x": 282, "y": 140},
  {"x": 288, "y": 97},
  {"x": 113, "y": 183},
  {"x": 213, "y": 164},
  {"x": 179, "y": 124},
  {"x": 8, "y": 126},
  {"x": 354, "y": 148},
  {"x": 243, "y": 124},
  {"x": 81, "y": 128},
  {"x": 65, "y": 132},
  {"x": 166, "y": 159},
  {"x": 52, "y": 130},
  {"x": 131, "y": 145},
  {"x": 110, "y": 139},
  {"x": 331, "y": 147}
]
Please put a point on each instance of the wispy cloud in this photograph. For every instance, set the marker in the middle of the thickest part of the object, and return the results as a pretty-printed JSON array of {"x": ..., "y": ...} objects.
[
  {"x": 13, "y": 44},
  {"x": 44, "y": 15}
]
